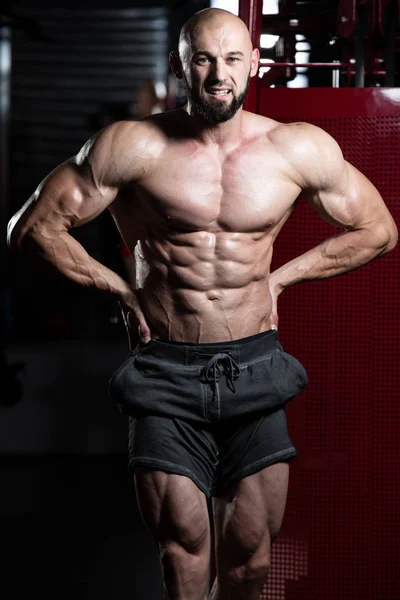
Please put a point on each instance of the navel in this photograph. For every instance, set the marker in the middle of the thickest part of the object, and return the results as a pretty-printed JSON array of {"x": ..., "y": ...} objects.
[{"x": 213, "y": 295}]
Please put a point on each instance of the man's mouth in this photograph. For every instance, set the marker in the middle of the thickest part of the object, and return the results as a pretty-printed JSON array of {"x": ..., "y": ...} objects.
[{"x": 218, "y": 92}]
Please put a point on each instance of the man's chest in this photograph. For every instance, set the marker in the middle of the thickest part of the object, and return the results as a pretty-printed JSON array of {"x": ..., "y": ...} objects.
[{"x": 245, "y": 191}]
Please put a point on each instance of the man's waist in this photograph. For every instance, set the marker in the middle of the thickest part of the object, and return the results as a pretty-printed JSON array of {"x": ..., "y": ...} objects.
[{"x": 242, "y": 350}]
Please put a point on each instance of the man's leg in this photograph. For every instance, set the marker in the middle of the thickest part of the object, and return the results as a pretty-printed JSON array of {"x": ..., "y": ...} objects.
[
  {"x": 247, "y": 520},
  {"x": 176, "y": 514}
]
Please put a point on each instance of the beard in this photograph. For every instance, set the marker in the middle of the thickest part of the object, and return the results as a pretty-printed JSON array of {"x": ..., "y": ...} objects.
[{"x": 216, "y": 112}]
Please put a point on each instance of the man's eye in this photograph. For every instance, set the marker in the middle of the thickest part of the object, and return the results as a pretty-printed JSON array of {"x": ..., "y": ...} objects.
[
  {"x": 233, "y": 59},
  {"x": 201, "y": 60}
]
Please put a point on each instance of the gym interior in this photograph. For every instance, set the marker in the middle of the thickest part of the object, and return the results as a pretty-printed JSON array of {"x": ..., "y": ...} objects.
[{"x": 70, "y": 522}]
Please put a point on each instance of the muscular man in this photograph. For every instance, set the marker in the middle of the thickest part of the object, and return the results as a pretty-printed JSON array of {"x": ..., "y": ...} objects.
[{"x": 199, "y": 194}]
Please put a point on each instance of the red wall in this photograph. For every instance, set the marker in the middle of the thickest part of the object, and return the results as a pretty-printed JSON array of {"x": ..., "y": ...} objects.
[{"x": 342, "y": 525}]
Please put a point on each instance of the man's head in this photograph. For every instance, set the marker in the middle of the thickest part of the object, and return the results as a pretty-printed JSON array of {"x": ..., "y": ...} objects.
[{"x": 216, "y": 61}]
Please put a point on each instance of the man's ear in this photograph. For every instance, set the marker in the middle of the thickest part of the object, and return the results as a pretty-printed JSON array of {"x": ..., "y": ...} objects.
[
  {"x": 175, "y": 64},
  {"x": 255, "y": 61}
]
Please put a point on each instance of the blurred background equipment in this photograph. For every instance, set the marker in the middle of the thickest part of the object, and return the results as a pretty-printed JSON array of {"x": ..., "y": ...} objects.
[
  {"x": 150, "y": 98},
  {"x": 336, "y": 65}
]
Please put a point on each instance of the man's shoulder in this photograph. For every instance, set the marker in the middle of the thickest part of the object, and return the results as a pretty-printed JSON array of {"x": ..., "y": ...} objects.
[
  {"x": 306, "y": 149},
  {"x": 126, "y": 147},
  {"x": 313, "y": 154},
  {"x": 304, "y": 143},
  {"x": 155, "y": 131},
  {"x": 284, "y": 133},
  {"x": 126, "y": 134},
  {"x": 122, "y": 151},
  {"x": 297, "y": 131}
]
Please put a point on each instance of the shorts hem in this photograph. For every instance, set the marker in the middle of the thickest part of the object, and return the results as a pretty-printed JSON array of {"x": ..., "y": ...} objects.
[
  {"x": 168, "y": 467},
  {"x": 281, "y": 456}
]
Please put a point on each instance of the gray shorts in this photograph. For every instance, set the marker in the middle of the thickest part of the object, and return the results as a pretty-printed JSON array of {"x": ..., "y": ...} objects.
[{"x": 212, "y": 412}]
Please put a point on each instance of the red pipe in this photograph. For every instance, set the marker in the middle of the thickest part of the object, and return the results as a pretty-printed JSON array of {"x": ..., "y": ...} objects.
[
  {"x": 292, "y": 64},
  {"x": 328, "y": 65}
]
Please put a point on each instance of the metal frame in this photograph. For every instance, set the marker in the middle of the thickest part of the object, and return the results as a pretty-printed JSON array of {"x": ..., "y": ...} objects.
[{"x": 367, "y": 28}]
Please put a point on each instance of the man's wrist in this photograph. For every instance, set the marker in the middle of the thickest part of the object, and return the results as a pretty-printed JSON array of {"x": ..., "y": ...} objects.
[
  {"x": 127, "y": 296},
  {"x": 275, "y": 285}
]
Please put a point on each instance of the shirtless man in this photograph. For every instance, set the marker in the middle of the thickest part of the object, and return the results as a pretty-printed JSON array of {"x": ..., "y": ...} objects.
[{"x": 203, "y": 191}]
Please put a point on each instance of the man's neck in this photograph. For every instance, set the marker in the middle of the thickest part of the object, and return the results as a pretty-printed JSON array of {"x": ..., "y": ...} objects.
[{"x": 221, "y": 134}]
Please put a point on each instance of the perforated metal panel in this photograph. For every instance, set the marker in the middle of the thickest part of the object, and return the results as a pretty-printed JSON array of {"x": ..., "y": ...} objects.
[{"x": 343, "y": 507}]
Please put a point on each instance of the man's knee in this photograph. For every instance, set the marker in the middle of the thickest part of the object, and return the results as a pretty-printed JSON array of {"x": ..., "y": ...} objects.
[
  {"x": 244, "y": 557},
  {"x": 175, "y": 557},
  {"x": 185, "y": 569},
  {"x": 253, "y": 571},
  {"x": 186, "y": 549},
  {"x": 190, "y": 533}
]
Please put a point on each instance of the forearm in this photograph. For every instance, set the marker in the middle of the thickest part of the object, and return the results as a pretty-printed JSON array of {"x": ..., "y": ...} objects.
[
  {"x": 337, "y": 255},
  {"x": 63, "y": 255}
]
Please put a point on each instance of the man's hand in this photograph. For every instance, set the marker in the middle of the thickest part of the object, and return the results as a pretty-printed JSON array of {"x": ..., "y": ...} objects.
[
  {"x": 134, "y": 319},
  {"x": 275, "y": 289}
]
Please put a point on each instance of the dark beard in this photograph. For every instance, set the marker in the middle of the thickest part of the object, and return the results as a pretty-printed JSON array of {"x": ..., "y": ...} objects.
[{"x": 213, "y": 113}]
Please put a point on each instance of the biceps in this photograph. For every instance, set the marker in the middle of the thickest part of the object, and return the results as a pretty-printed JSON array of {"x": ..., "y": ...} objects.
[
  {"x": 66, "y": 198},
  {"x": 350, "y": 203}
]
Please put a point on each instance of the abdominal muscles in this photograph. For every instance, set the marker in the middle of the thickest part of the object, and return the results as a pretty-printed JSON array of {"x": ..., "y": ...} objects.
[{"x": 205, "y": 287}]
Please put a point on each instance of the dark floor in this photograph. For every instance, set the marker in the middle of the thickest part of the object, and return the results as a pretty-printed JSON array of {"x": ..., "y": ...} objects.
[
  {"x": 71, "y": 529},
  {"x": 70, "y": 526}
]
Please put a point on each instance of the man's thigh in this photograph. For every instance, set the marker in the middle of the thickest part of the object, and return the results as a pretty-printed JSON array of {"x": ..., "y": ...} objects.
[
  {"x": 176, "y": 513},
  {"x": 251, "y": 513},
  {"x": 173, "y": 508}
]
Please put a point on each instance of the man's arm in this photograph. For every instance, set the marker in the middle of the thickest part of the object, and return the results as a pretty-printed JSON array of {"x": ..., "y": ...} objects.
[
  {"x": 73, "y": 194},
  {"x": 343, "y": 197}
]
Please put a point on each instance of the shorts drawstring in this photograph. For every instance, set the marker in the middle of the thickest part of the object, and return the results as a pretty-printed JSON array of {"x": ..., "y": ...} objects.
[{"x": 219, "y": 364}]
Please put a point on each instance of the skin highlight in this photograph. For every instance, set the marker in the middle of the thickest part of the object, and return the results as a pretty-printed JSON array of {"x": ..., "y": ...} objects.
[{"x": 199, "y": 196}]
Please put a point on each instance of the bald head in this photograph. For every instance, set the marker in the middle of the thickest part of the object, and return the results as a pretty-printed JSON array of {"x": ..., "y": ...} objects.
[
  {"x": 218, "y": 20},
  {"x": 216, "y": 61}
]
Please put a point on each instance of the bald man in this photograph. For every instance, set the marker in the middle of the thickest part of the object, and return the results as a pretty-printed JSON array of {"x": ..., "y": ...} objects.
[{"x": 199, "y": 195}]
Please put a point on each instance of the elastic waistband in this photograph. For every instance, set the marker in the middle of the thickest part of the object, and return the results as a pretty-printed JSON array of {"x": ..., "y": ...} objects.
[{"x": 243, "y": 350}]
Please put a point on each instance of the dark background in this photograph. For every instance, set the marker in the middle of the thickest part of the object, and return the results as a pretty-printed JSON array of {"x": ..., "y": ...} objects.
[{"x": 70, "y": 523}]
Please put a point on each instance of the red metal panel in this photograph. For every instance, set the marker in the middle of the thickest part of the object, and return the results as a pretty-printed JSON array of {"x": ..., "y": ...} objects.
[
  {"x": 342, "y": 524},
  {"x": 317, "y": 103}
]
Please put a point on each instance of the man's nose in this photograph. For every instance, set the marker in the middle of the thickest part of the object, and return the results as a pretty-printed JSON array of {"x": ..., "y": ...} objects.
[{"x": 219, "y": 70}]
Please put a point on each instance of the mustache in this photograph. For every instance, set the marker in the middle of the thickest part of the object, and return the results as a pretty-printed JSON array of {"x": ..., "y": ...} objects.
[{"x": 217, "y": 82}]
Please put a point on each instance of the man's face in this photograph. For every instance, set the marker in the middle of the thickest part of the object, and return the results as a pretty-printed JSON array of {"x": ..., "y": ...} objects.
[{"x": 218, "y": 62}]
